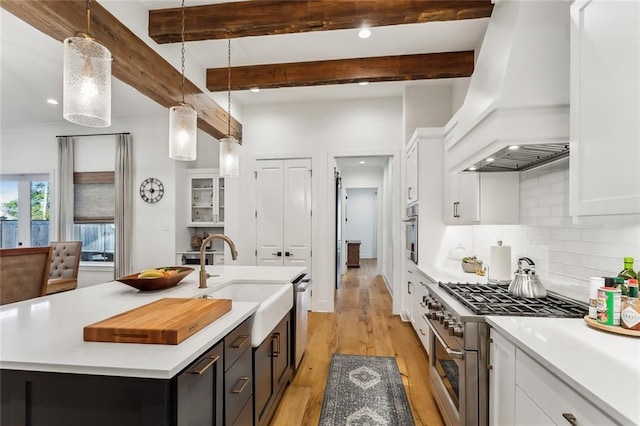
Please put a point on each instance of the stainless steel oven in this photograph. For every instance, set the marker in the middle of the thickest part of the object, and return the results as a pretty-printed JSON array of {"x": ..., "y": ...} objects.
[{"x": 411, "y": 232}]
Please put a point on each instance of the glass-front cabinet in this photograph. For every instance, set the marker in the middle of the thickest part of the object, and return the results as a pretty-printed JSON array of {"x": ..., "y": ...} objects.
[{"x": 206, "y": 198}]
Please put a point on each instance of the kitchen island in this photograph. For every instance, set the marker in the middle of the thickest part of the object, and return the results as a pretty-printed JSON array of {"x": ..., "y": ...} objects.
[{"x": 45, "y": 336}]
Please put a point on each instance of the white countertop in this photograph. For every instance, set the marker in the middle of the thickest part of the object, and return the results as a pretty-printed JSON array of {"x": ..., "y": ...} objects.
[
  {"x": 46, "y": 334},
  {"x": 450, "y": 273},
  {"x": 601, "y": 366}
]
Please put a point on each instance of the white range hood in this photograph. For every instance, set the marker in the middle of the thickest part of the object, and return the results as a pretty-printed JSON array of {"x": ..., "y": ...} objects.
[{"x": 519, "y": 91}]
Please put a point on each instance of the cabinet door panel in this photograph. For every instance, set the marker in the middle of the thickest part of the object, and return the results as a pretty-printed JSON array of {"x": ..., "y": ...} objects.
[
  {"x": 282, "y": 353},
  {"x": 469, "y": 197},
  {"x": 238, "y": 386},
  {"x": 263, "y": 377},
  {"x": 527, "y": 412},
  {"x": 200, "y": 390},
  {"x": 502, "y": 380},
  {"x": 605, "y": 106}
]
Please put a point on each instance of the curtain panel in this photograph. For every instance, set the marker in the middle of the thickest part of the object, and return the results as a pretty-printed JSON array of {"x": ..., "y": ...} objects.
[
  {"x": 65, "y": 188},
  {"x": 123, "y": 206}
]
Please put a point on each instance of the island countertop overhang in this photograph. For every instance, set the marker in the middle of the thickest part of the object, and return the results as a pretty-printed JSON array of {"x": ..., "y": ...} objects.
[{"x": 46, "y": 334}]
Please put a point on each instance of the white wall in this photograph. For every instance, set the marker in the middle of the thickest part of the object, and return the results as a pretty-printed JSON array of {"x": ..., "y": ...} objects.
[
  {"x": 426, "y": 106},
  {"x": 362, "y": 220},
  {"x": 320, "y": 131},
  {"x": 566, "y": 254},
  {"x": 34, "y": 149}
]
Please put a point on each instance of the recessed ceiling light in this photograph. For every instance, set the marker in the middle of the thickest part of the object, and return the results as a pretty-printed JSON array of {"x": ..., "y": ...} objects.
[
  {"x": 364, "y": 33},
  {"x": 362, "y": 162},
  {"x": 472, "y": 168},
  {"x": 513, "y": 147},
  {"x": 255, "y": 89},
  {"x": 52, "y": 101},
  {"x": 490, "y": 159},
  {"x": 363, "y": 83}
]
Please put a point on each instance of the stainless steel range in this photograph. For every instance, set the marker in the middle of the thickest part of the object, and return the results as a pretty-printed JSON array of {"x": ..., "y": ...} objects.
[{"x": 459, "y": 342}]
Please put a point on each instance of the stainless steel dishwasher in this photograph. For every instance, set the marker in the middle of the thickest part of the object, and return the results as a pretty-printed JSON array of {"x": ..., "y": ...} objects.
[{"x": 301, "y": 305}]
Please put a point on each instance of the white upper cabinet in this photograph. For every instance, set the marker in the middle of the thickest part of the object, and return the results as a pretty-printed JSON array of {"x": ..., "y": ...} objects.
[
  {"x": 482, "y": 198},
  {"x": 412, "y": 173},
  {"x": 206, "y": 198},
  {"x": 605, "y": 108}
]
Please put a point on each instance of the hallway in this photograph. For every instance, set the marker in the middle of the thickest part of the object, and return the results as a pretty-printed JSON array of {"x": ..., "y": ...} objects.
[{"x": 362, "y": 324}]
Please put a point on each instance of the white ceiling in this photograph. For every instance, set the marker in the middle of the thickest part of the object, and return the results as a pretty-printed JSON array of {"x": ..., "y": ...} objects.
[{"x": 31, "y": 62}]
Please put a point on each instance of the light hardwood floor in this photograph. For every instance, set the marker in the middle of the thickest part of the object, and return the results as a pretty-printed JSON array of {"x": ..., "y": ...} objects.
[{"x": 363, "y": 324}]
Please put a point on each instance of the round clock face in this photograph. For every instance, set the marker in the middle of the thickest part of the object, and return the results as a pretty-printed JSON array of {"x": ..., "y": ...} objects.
[{"x": 151, "y": 190}]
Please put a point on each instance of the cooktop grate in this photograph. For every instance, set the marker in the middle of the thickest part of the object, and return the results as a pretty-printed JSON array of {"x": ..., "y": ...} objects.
[{"x": 493, "y": 299}]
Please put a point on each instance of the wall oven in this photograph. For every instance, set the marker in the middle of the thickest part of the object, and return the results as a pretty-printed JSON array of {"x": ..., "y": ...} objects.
[{"x": 411, "y": 233}]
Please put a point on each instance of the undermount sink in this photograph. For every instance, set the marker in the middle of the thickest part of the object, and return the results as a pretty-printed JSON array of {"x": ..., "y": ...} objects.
[{"x": 275, "y": 301}]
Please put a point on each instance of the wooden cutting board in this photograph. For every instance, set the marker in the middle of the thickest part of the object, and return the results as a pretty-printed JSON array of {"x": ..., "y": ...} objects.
[{"x": 167, "y": 321}]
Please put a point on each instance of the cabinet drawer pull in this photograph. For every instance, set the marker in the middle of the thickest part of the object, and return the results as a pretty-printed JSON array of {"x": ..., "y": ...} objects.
[
  {"x": 240, "y": 341},
  {"x": 422, "y": 332},
  {"x": 212, "y": 360},
  {"x": 277, "y": 340},
  {"x": 455, "y": 209},
  {"x": 245, "y": 381},
  {"x": 570, "y": 418}
]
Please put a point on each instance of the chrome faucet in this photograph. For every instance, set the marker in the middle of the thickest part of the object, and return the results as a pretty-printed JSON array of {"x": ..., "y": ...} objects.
[{"x": 205, "y": 242}]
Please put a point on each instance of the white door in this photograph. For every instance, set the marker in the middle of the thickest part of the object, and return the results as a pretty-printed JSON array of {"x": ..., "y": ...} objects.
[
  {"x": 297, "y": 212},
  {"x": 269, "y": 212},
  {"x": 283, "y": 212}
]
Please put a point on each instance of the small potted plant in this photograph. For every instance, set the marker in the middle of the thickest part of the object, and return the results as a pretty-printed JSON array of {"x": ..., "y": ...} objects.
[{"x": 471, "y": 264}]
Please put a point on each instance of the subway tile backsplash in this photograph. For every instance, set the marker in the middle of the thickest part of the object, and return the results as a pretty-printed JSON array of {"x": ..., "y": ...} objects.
[{"x": 566, "y": 254}]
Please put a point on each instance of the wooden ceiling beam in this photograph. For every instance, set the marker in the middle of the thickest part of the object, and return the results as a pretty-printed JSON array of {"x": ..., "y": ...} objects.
[
  {"x": 342, "y": 71},
  {"x": 270, "y": 17},
  {"x": 134, "y": 63}
]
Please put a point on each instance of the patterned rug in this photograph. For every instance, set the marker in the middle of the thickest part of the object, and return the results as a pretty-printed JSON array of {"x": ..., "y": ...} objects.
[{"x": 364, "y": 390}]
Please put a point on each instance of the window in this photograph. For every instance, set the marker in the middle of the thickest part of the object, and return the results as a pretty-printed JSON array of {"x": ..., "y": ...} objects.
[
  {"x": 25, "y": 210},
  {"x": 93, "y": 215}
]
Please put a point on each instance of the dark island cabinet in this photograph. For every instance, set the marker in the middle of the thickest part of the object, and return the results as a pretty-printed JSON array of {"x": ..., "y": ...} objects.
[
  {"x": 210, "y": 391},
  {"x": 199, "y": 390},
  {"x": 272, "y": 370}
]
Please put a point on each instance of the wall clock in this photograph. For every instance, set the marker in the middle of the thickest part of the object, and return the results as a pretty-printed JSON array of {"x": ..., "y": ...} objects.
[{"x": 151, "y": 190}]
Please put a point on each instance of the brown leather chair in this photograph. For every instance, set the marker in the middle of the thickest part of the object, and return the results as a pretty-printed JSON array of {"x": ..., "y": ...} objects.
[
  {"x": 24, "y": 273},
  {"x": 65, "y": 261}
]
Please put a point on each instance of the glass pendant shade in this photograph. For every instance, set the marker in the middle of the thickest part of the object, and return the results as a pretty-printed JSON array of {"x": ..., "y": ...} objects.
[
  {"x": 229, "y": 157},
  {"x": 86, "y": 95},
  {"x": 183, "y": 128}
]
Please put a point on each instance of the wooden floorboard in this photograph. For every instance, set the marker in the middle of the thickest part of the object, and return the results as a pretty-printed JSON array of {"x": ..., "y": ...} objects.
[{"x": 363, "y": 323}]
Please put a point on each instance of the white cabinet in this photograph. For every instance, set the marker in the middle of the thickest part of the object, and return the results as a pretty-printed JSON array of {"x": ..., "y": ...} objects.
[
  {"x": 412, "y": 172},
  {"x": 283, "y": 212},
  {"x": 206, "y": 198},
  {"x": 502, "y": 380},
  {"x": 605, "y": 106},
  {"x": 218, "y": 258},
  {"x": 482, "y": 198},
  {"x": 415, "y": 304},
  {"x": 524, "y": 392}
]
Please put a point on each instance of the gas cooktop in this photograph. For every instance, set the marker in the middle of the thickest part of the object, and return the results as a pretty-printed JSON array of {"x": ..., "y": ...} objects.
[{"x": 494, "y": 299}]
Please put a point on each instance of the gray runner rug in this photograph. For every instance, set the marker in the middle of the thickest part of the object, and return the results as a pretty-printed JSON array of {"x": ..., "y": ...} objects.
[{"x": 364, "y": 390}]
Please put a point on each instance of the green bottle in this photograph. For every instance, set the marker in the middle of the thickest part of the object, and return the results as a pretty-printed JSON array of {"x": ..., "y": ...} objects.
[{"x": 627, "y": 272}]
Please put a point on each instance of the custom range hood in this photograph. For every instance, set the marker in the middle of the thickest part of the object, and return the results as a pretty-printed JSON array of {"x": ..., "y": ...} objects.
[{"x": 518, "y": 94}]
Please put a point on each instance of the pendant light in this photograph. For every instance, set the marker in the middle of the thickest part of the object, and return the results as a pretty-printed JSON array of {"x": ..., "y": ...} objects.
[
  {"x": 229, "y": 146},
  {"x": 87, "y": 79},
  {"x": 183, "y": 122}
]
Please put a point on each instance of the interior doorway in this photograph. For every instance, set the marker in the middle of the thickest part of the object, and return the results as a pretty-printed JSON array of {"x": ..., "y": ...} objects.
[{"x": 363, "y": 211}]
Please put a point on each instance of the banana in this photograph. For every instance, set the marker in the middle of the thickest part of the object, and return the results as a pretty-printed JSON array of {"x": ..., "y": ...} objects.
[{"x": 151, "y": 273}]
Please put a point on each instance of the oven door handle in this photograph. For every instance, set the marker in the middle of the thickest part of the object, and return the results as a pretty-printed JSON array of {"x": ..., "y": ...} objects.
[{"x": 450, "y": 352}]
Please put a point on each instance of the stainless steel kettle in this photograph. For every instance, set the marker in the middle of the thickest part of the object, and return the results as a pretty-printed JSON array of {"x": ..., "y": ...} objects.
[{"x": 526, "y": 283}]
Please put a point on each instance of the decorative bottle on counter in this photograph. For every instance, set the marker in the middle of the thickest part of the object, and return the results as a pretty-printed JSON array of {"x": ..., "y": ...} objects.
[
  {"x": 628, "y": 272},
  {"x": 630, "y": 309}
]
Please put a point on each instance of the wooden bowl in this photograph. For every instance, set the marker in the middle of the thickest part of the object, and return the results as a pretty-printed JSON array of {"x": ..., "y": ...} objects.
[{"x": 150, "y": 284}]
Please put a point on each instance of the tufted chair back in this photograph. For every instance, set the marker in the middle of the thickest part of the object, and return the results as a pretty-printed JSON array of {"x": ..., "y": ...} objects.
[
  {"x": 23, "y": 273},
  {"x": 65, "y": 261}
]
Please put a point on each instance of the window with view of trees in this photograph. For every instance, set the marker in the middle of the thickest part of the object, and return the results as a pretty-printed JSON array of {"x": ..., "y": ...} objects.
[{"x": 25, "y": 226}]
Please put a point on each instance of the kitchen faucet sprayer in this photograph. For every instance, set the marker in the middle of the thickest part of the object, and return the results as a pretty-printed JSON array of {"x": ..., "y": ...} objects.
[{"x": 205, "y": 242}]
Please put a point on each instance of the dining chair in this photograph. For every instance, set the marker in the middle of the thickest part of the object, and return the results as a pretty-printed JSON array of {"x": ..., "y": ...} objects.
[
  {"x": 24, "y": 273},
  {"x": 65, "y": 262}
]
